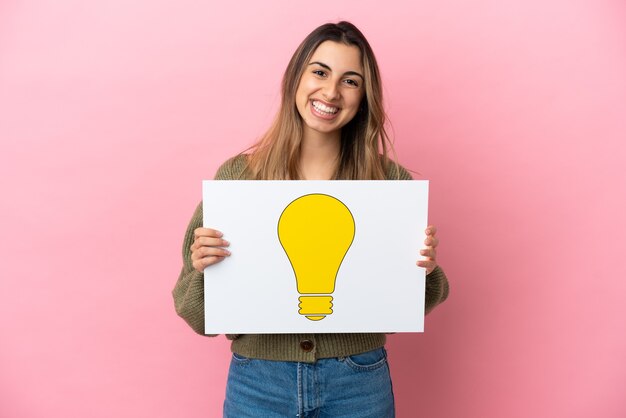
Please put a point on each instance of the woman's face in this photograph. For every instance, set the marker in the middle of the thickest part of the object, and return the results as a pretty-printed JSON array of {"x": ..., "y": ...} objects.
[{"x": 331, "y": 88}]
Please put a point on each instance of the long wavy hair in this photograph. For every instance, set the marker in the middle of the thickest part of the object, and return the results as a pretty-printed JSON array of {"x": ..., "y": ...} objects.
[{"x": 364, "y": 142}]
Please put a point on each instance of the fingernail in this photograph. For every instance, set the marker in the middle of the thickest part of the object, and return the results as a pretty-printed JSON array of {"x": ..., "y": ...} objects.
[
  {"x": 225, "y": 243},
  {"x": 227, "y": 252},
  {"x": 423, "y": 252}
]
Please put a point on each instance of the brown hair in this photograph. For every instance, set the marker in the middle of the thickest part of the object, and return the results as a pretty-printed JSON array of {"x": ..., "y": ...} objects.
[{"x": 276, "y": 155}]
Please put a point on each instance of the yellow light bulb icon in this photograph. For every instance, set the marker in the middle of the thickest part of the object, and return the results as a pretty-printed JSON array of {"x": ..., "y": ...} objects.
[{"x": 316, "y": 231}]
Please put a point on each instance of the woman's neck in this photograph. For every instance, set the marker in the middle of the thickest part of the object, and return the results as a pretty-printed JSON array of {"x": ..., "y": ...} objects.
[{"x": 319, "y": 155}]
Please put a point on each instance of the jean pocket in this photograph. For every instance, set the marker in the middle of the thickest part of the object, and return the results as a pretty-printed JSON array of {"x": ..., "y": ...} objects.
[
  {"x": 239, "y": 359},
  {"x": 370, "y": 360}
]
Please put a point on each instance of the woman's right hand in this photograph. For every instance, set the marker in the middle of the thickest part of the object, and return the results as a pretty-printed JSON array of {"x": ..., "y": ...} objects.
[{"x": 207, "y": 248}]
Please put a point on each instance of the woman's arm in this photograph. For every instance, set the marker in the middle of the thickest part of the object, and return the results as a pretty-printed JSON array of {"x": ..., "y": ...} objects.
[
  {"x": 189, "y": 290},
  {"x": 437, "y": 287}
]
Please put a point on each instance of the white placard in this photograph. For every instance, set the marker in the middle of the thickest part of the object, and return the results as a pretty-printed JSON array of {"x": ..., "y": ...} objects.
[{"x": 377, "y": 285}]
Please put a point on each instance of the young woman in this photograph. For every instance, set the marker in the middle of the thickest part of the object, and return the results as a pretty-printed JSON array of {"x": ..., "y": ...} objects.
[{"x": 330, "y": 126}]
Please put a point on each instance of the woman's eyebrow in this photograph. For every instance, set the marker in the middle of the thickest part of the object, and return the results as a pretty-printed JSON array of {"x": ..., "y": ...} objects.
[{"x": 321, "y": 64}]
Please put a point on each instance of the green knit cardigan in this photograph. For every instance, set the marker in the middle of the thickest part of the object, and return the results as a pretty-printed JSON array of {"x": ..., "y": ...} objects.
[{"x": 189, "y": 300}]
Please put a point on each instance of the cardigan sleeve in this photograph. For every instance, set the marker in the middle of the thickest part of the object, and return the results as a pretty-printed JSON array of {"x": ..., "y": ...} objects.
[
  {"x": 437, "y": 289},
  {"x": 189, "y": 290}
]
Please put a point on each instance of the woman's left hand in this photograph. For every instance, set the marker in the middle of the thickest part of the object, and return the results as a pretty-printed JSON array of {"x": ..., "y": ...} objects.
[{"x": 430, "y": 252}]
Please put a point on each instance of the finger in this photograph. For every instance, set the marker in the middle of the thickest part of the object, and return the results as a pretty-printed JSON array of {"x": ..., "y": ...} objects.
[
  {"x": 205, "y": 262},
  {"x": 211, "y": 251},
  {"x": 430, "y": 253},
  {"x": 431, "y": 230},
  {"x": 210, "y": 242},
  {"x": 429, "y": 265},
  {"x": 207, "y": 232},
  {"x": 431, "y": 241},
  {"x": 202, "y": 252}
]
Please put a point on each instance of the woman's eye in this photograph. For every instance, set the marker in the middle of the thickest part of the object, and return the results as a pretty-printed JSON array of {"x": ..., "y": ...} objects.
[
  {"x": 319, "y": 72},
  {"x": 352, "y": 82}
]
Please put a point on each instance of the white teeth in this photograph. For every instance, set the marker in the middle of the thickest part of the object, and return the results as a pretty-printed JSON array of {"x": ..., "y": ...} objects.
[{"x": 325, "y": 109}]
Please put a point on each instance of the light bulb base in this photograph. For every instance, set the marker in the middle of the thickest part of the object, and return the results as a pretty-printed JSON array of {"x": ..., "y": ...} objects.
[{"x": 315, "y": 308}]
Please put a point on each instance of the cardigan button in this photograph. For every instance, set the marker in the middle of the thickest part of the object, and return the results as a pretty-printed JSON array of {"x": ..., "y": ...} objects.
[{"x": 306, "y": 345}]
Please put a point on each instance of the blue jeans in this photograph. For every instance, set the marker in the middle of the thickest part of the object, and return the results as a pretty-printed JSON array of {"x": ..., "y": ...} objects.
[{"x": 357, "y": 386}]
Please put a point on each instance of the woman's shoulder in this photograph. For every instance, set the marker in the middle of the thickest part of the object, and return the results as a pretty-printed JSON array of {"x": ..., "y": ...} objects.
[
  {"x": 233, "y": 169},
  {"x": 395, "y": 171}
]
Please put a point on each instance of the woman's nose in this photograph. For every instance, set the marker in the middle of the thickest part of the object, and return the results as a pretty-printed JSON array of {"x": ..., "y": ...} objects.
[{"x": 331, "y": 92}]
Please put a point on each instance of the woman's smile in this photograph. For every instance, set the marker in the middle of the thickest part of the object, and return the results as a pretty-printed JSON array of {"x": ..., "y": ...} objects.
[{"x": 323, "y": 110}]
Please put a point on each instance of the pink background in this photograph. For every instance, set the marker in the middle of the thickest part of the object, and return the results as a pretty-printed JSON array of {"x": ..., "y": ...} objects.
[{"x": 111, "y": 113}]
